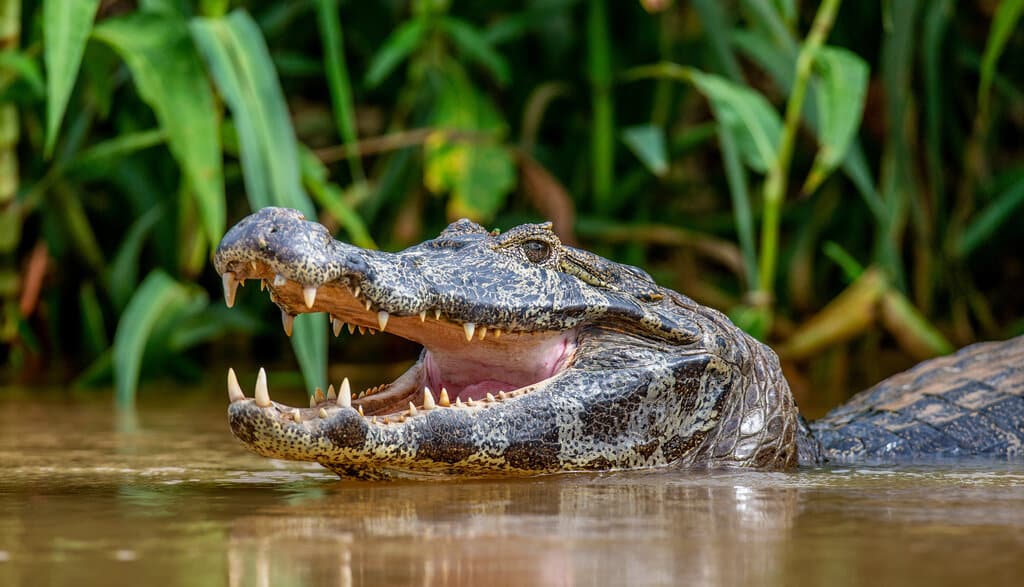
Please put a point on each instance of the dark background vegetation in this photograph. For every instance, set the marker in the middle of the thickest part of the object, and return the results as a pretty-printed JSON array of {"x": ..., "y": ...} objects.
[{"x": 844, "y": 179}]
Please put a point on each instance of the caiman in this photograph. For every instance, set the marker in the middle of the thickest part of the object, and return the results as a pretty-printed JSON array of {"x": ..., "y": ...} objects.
[{"x": 539, "y": 357}]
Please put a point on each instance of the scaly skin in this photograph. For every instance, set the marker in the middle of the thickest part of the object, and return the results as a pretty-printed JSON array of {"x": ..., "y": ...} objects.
[{"x": 596, "y": 366}]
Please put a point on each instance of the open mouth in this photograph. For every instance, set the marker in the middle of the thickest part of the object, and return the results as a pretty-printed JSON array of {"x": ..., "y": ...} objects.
[{"x": 463, "y": 365}]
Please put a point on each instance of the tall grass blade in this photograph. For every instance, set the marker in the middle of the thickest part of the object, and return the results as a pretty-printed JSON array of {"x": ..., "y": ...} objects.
[
  {"x": 169, "y": 76},
  {"x": 599, "y": 72},
  {"x": 240, "y": 64},
  {"x": 998, "y": 212},
  {"x": 338, "y": 81},
  {"x": 66, "y": 27},
  {"x": 159, "y": 295},
  {"x": 1003, "y": 24}
]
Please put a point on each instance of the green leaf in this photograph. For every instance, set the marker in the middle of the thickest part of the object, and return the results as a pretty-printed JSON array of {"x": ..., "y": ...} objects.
[
  {"x": 100, "y": 158},
  {"x": 66, "y": 26},
  {"x": 841, "y": 89},
  {"x": 332, "y": 199},
  {"x": 476, "y": 48},
  {"x": 395, "y": 49},
  {"x": 338, "y": 80},
  {"x": 647, "y": 142},
  {"x": 1003, "y": 24},
  {"x": 16, "y": 64},
  {"x": 94, "y": 332},
  {"x": 159, "y": 295},
  {"x": 755, "y": 123},
  {"x": 170, "y": 78},
  {"x": 123, "y": 275},
  {"x": 238, "y": 59},
  {"x": 480, "y": 174},
  {"x": 1000, "y": 210},
  {"x": 240, "y": 64}
]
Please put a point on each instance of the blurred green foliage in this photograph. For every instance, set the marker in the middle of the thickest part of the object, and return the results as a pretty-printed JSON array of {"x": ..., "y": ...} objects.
[{"x": 825, "y": 172}]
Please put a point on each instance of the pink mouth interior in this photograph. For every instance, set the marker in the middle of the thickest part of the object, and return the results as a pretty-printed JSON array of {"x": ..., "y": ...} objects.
[{"x": 472, "y": 371}]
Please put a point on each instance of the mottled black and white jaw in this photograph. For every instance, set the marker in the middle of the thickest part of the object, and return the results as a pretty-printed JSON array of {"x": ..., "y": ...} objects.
[{"x": 464, "y": 365}]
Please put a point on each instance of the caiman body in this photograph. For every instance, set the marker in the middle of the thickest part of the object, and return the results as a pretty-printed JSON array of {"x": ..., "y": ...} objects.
[{"x": 539, "y": 358}]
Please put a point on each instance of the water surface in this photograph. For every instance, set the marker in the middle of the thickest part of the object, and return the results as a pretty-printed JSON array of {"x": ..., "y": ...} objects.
[{"x": 165, "y": 496}]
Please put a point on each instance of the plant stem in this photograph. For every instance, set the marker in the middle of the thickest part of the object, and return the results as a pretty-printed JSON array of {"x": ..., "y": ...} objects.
[{"x": 775, "y": 184}]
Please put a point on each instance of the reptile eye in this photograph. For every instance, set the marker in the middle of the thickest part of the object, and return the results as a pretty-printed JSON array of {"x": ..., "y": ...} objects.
[{"x": 537, "y": 251}]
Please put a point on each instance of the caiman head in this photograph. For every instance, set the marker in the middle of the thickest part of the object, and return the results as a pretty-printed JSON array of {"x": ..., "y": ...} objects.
[{"x": 537, "y": 358}]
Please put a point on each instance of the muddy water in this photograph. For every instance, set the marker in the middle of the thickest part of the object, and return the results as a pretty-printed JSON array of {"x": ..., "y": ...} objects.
[{"x": 165, "y": 496}]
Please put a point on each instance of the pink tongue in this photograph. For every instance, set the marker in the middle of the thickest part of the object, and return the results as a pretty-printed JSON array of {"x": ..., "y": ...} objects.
[{"x": 480, "y": 389}]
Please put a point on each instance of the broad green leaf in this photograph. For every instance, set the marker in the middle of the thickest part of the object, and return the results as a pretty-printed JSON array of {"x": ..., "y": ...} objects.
[
  {"x": 755, "y": 123},
  {"x": 240, "y": 64},
  {"x": 841, "y": 89},
  {"x": 239, "y": 61},
  {"x": 159, "y": 52},
  {"x": 66, "y": 26},
  {"x": 476, "y": 48},
  {"x": 395, "y": 49},
  {"x": 158, "y": 295},
  {"x": 1003, "y": 24},
  {"x": 478, "y": 175},
  {"x": 647, "y": 142}
]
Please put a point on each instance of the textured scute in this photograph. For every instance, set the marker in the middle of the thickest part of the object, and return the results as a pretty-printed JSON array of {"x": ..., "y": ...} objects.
[{"x": 968, "y": 403}]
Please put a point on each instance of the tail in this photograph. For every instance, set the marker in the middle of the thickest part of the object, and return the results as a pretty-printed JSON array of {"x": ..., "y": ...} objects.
[{"x": 968, "y": 403}]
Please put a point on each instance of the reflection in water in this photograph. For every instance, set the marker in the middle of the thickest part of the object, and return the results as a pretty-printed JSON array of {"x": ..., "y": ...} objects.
[
  {"x": 168, "y": 497},
  {"x": 570, "y": 530}
]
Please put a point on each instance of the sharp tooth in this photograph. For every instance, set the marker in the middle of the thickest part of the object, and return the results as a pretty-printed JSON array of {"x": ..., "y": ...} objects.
[
  {"x": 412, "y": 409},
  {"x": 428, "y": 399},
  {"x": 319, "y": 395},
  {"x": 355, "y": 292},
  {"x": 443, "y": 399},
  {"x": 373, "y": 419},
  {"x": 252, "y": 264},
  {"x": 230, "y": 287},
  {"x": 497, "y": 332},
  {"x": 280, "y": 280},
  {"x": 490, "y": 397},
  {"x": 287, "y": 320},
  {"x": 368, "y": 305},
  {"x": 361, "y": 411},
  {"x": 345, "y": 395},
  {"x": 323, "y": 413},
  {"x": 336, "y": 325},
  {"x": 263, "y": 284},
  {"x": 351, "y": 328},
  {"x": 296, "y": 416},
  {"x": 331, "y": 394},
  {"x": 470, "y": 402},
  {"x": 437, "y": 314},
  {"x": 458, "y": 402},
  {"x": 309, "y": 295},
  {"x": 483, "y": 332},
  {"x": 382, "y": 319},
  {"x": 234, "y": 389},
  {"x": 502, "y": 395},
  {"x": 469, "y": 327},
  {"x": 423, "y": 315},
  {"x": 312, "y": 401},
  {"x": 362, "y": 330},
  {"x": 262, "y": 394}
]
